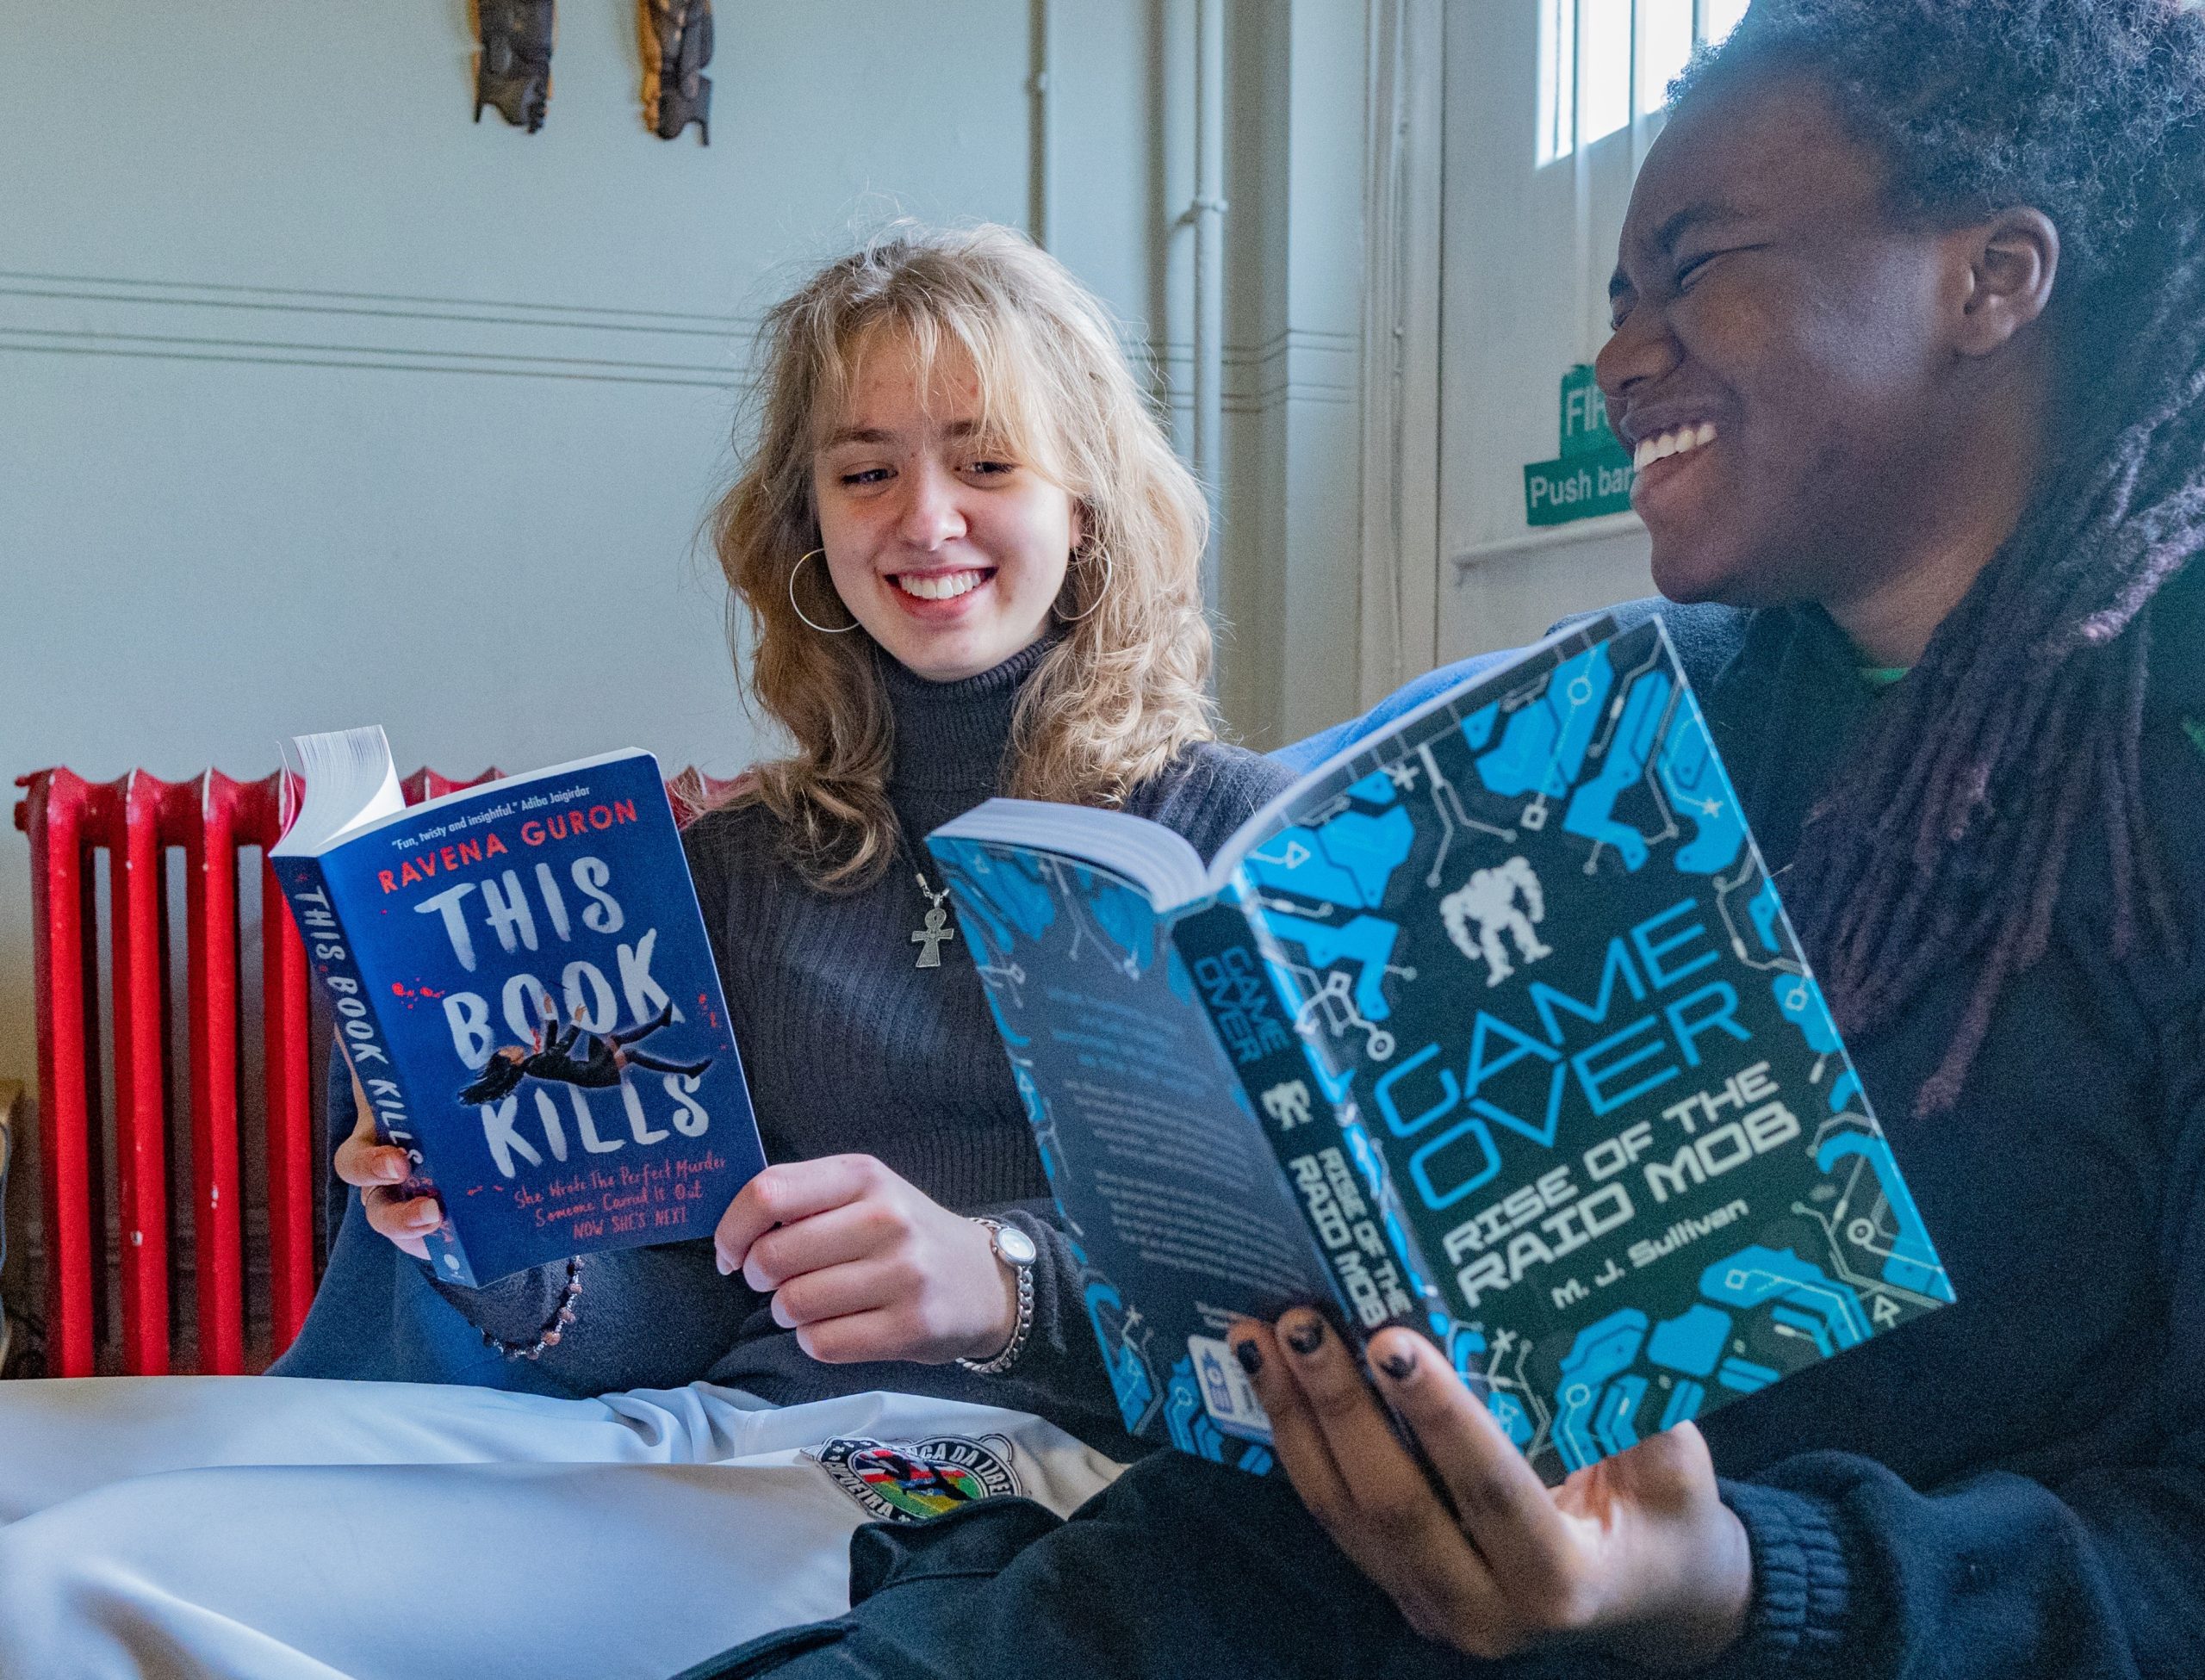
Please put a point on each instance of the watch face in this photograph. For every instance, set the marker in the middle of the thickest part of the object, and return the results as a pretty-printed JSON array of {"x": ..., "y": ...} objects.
[{"x": 1015, "y": 1246}]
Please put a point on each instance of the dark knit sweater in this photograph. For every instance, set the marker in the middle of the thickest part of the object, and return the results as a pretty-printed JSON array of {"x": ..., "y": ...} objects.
[{"x": 851, "y": 1048}]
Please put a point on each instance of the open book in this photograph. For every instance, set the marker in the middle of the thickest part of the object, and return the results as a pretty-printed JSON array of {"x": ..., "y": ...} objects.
[
  {"x": 522, "y": 984},
  {"x": 1492, "y": 1026}
]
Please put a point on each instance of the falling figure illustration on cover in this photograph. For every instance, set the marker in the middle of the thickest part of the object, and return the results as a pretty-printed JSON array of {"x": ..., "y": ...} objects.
[{"x": 550, "y": 1056}]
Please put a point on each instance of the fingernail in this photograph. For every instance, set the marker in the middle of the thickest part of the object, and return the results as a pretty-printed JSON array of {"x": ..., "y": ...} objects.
[
  {"x": 723, "y": 1262},
  {"x": 1250, "y": 1355},
  {"x": 390, "y": 1170},
  {"x": 1306, "y": 1337},
  {"x": 1397, "y": 1363}
]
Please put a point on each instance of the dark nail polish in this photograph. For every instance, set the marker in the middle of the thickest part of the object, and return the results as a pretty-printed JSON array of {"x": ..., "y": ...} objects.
[
  {"x": 1307, "y": 1337},
  {"x": 1397, "y": 1364},
  {"x": 1250, "y": 1355}
]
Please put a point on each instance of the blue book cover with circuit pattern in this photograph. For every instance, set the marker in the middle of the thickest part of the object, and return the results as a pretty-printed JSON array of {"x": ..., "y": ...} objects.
[
  {"x": 520, "y": 977},
  {"x": 1179, "y": 1226},
  {"x": 1507, "y": 994}
]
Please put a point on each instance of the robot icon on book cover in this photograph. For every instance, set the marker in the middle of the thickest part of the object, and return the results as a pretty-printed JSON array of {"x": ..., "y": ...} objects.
[{"x": 1504, "y": 899}]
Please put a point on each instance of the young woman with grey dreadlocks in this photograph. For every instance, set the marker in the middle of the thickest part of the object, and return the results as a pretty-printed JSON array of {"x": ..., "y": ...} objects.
[{"x": 1910, "y": 308}]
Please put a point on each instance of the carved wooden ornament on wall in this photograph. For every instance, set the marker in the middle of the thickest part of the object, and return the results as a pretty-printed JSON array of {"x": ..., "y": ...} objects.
[
  {"x": 513, "y": 72},
  {"x": 677, "y": 40}
]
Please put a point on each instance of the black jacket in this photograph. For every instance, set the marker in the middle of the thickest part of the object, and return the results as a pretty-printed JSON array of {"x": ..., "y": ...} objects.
[{"x": 2012, "y": 1488}]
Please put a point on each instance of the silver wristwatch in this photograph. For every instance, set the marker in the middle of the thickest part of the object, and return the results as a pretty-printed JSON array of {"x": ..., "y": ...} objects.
[{"x": 1015, "y": 1248}]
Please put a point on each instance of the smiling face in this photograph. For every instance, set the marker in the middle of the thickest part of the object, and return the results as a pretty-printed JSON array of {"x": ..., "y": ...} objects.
[
  {"x": 942, "y": 543},
  {"x": 1790, "y": 366}
]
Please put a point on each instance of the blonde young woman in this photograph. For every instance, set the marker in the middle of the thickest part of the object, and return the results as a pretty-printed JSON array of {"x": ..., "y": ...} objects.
[{"x": 970, "y": 559}]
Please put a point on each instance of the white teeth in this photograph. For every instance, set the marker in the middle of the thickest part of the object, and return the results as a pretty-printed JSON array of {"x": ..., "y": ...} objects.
[
  {"x": 1674, "y": 441},
  {"x": 939, "y": 585}
]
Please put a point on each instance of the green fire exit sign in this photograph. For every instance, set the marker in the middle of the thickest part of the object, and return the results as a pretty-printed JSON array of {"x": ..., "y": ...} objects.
[{"x": 1592, "y": 475}]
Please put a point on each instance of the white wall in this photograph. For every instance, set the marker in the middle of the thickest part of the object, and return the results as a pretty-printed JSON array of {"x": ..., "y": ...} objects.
[
  {"x": 1292, "y": 479},
  {"x": 320, "y": 404},
  {"x": 1526, "y": 255}
]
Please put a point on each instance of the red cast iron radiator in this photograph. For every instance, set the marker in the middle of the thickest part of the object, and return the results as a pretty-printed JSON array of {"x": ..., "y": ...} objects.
[{"x": 137, "y": 820}]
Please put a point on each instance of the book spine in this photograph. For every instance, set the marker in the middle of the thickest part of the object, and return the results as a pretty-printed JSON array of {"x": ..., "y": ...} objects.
[
  {"x": 1337, "y": 1176},
  {"x": 367, "y": 1047}
]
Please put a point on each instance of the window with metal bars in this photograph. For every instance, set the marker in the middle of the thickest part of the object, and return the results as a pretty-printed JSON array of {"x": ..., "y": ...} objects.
[{"x": 1604, "y": 64}]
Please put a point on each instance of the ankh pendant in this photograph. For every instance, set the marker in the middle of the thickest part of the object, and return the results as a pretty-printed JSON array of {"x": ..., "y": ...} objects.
[
  {"x": 932, "y": 936},
  {"x": 937, "y": 931}
]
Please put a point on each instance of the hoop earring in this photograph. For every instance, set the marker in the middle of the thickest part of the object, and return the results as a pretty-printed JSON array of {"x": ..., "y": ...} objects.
[
  {"x": 1109, "y": 570},
  {"x": 838, "y": 629}
]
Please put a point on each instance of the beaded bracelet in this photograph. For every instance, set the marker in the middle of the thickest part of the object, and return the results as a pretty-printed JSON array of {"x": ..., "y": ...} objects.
[{"x": 562, "y": 1314}]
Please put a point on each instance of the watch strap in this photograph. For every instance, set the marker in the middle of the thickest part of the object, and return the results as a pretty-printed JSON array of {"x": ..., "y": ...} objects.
[{"x": 1024, "y": 1274}]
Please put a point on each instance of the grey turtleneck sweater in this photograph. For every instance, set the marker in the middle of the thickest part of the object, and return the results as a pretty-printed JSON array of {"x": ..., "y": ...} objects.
[{"x": 851, "y": 1048}]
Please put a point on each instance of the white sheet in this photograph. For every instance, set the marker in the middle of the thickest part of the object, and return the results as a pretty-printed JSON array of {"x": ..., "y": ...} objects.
[{"x": 273, "y": 1528}]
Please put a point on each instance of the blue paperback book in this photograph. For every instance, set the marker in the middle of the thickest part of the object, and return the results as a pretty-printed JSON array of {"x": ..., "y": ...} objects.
[
  {"x": 521, "y": 982},
  {"x": 1493, "y": 1026}
]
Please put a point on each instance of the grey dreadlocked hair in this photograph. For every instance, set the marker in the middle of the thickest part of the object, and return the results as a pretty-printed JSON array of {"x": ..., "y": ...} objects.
[{"x": 1951, "y": 828}]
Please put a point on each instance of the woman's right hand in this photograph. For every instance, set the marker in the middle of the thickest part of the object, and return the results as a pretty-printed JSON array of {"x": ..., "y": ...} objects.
[
  {"x": 377, "y": 1169},
  {"x": 1636, "y": 1555}
]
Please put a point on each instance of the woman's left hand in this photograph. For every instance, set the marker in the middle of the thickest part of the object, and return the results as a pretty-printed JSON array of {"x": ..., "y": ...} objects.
[
  {"x": 1636, "y": 1555},
  {"x": 864, "y": 1266}
]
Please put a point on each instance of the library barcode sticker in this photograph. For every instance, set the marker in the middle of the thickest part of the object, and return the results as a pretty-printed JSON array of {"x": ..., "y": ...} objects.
[{"x": 1226, "y": 1396}]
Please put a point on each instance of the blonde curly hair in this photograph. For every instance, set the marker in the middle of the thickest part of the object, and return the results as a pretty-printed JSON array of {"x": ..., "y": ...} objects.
[{"x": 1121, "y": 691}]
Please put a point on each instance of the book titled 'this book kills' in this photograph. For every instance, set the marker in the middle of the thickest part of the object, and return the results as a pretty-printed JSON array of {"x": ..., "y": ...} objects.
[
  {"x": 1493, "y": 1026},
  {"x": 521, "y": 982}
]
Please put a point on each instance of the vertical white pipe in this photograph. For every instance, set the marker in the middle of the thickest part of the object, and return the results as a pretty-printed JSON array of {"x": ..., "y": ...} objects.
[
  {"x": 1209, "y": 213},
  {"x": 1581, "y": 185},
  {"x": 1638, "y": 139},
  {"x": 1041, "y": 197},
  {"x": 1387, "y": 98}
]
